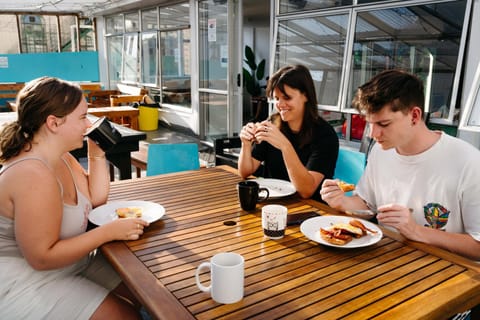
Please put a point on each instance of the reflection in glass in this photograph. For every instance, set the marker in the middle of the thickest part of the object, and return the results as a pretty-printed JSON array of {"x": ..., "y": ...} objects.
[
  {"x": 38, "y": 33},
  {"x": 175, "y": 16},
  {"x": 114, "y": 53},
  {"x": 114, "y": 24},
  {"x": 287, "y": 6},
  {"x": 87, "y": 35},
  {"x": 149, "y": 58},
  {"x": 216, "y": 115},
  {"x": 319, "y": 44},
  {"x": 131, "y": 22},
  {"x": 175, "y": 55},
  {"x": 130, "y": 57},
  {"x": 175, "y": 52},
  {"x": 68, "y": 26},
  {"x": 213, "y": 45},
  {"x": 424, "y": 40},
  {"x": 149, "y": 20}
]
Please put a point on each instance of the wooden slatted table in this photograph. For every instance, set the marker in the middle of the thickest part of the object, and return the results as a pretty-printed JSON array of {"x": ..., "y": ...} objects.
[{"x": 291, "y": 278}]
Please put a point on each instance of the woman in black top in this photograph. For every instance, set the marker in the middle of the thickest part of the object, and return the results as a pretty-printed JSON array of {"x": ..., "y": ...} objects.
[{"x": 295, "y": 144}]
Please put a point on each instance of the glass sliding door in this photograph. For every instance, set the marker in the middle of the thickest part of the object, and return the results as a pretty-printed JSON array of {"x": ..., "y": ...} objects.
[{"x": 218, "y": 105}]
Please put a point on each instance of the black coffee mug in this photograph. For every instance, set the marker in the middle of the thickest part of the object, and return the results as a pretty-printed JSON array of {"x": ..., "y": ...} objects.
[
  {"x": 249, "y": 194},
  {"x": 104, "y": 134}
]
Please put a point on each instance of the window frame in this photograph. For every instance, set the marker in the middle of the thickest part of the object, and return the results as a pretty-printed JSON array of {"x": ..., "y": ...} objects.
[
  {"x": 343, "y": 104},
  {"x": 472, "y": 105}
]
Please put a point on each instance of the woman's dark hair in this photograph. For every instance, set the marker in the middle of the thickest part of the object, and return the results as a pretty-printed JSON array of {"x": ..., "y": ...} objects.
[
  {"x": 35, "y": 102},
  {"x": 296, "y": 77},
  {"x": 396, "y": 87}
]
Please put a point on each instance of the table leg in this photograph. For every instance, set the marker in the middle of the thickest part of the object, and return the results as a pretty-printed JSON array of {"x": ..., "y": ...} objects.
[{"x": 123, "y": 162}]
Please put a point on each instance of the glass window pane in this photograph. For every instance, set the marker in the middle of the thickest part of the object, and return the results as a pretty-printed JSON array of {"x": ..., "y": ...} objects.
[
  {"x": 319, "y": 44},
  {"x": 175, "y": 16},
  {"x": 87, "y": 35},
  {"x": 114, "y": 53},
  {"x": 216, "y": 116},
  {"x": 114, "y": 24},
  {"x": 149, "y": 20},
  {"x": 149, "y": 58},
  {"x": 130, "y": 57},
  {"x": 131, "y": 22},
  {"x": 175, "y": 55},
  {"x": 38, "y": 33},
  {"x": 175, "y": 52},
  {"x": 9, "y": 34},
  {"x": 213, "y": 45},
  {"x": 68, "y": 26},
  {"x": 423, "y": 39},
  {"x": 287, "y": 6}
]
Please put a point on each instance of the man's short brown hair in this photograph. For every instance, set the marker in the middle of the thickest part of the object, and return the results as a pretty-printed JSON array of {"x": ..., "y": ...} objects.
[{"x": 400, "y": 89}]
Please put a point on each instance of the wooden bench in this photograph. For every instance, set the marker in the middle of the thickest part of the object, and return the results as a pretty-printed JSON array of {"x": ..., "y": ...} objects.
[
  {"x": 88, "y": 87},
  {"x": 128, "y": 95},
  {"x": 8, "y": 92},
  {"x": 122, "y": 99},
  {"x": 124, "y": 115},
  {"x": 100, "y": 98}
]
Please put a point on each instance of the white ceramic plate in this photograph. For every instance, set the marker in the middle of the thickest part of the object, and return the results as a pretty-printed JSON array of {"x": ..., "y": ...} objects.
[
  {"x": 311, "y": 229},
  {"x": 103, "y": 214},
  {"x": 277, "y": 188}
]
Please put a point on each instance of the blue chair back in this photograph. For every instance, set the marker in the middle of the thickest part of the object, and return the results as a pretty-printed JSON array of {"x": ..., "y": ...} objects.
[
  {"x": 350, "y": 165},
  {"x": 166, "y": 158}
]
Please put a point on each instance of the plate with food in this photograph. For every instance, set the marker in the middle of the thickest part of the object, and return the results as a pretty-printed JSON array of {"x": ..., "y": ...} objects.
[
  {"x": 276, "y": 188},
  {"x": 342, "y": 232},
  {"x": 146, "y": 210}
]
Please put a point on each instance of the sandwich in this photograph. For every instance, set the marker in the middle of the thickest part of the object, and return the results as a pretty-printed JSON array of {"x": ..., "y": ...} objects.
[
  {"x": 345, "y": 186},
  {"x": 129, "y": 212},
  {"x": 341, "y": 233}
]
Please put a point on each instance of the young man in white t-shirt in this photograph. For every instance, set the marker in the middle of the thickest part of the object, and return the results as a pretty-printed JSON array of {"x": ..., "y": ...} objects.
[{"x": 424, "y": 183}]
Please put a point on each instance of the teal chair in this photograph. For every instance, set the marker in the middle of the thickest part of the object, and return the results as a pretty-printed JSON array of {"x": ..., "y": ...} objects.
[
  {"x": 350, "y": 165},
  {"x": 166, "y": 158}
]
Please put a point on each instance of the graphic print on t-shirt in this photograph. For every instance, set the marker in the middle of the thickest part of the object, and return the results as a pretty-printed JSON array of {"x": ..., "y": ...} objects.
[{"x": 436, "y": 215}]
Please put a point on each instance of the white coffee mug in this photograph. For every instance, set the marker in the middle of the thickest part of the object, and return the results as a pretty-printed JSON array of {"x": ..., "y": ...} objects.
[
  {"x": 274, "y": 220},
  {"x": 226, "y": 277}
]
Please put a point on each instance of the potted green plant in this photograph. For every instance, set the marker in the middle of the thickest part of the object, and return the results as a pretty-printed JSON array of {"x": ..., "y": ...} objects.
[
  {"x": 253, "y": 82},
  {"x": 253, "y": 77}
]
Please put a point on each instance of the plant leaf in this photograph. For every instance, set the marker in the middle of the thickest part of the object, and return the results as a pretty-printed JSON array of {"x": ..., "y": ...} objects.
[{"x": 261, "y": 70}]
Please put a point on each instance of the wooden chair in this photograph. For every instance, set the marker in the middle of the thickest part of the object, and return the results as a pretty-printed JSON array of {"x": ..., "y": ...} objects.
[
  {"x": 166, "y": 158},
  {"x": 350, "y": 165},
  {"x": 100, "y": 98},
  {"x": 88, "y": 87},
  {"x": 227, "y": 151},
  {"x": 124, "y": 99},
  {"x": 223, "y": 148}
]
